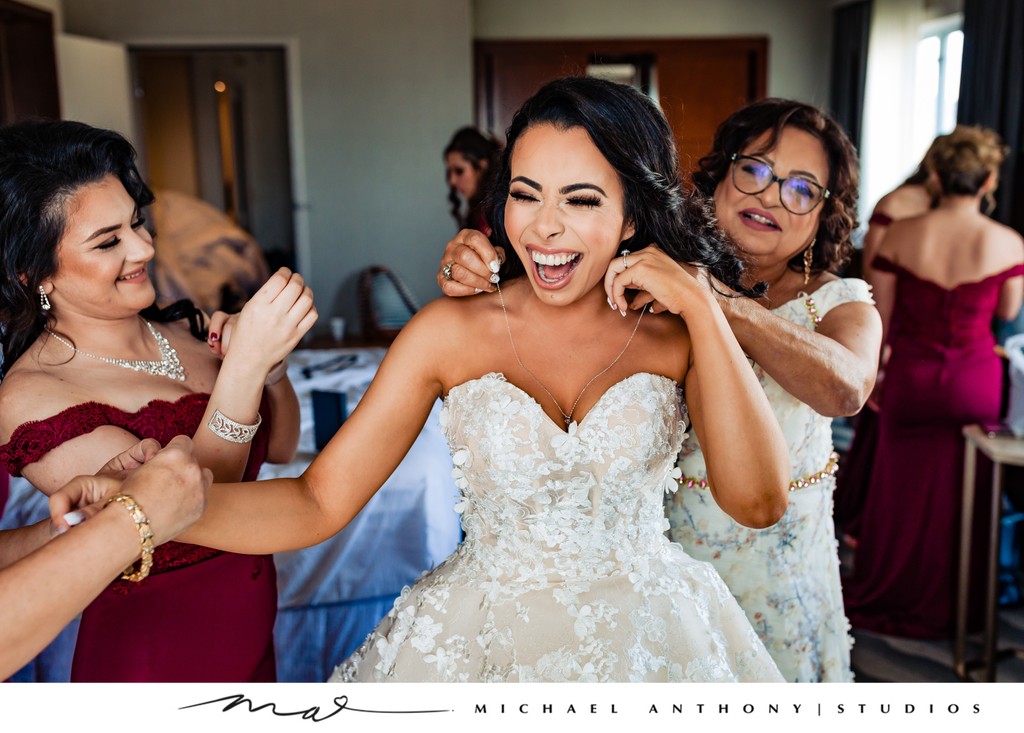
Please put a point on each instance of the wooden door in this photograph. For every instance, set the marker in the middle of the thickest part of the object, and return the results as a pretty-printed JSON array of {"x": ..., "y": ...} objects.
[
  {"x": 28, "y": 64},
  {"x": 698, "y": 82}
]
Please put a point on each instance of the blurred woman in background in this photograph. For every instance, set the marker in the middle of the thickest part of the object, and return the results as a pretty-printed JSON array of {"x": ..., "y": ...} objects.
[
  {"x": 939, "y": 279},
  {"x": 470, "y": 162},
  {"x": 913, "y": 197}
]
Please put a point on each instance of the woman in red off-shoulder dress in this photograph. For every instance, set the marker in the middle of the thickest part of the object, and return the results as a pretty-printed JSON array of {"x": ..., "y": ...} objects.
[
  {"x": 939, "y": 279},
  {"x": 92, "y": 366}
]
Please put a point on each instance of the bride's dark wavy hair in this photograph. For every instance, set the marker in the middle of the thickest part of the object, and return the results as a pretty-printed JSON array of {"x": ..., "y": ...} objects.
[
  {"x": 43, "y": 164},
  {"x": 633, "y": 135}
]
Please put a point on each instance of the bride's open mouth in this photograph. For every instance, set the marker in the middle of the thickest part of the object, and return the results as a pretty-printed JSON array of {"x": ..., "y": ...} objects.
[{"x": 554, "y": 269}]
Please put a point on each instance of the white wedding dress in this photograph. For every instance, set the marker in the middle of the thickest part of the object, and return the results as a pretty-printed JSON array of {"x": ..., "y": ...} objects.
[{"x": 565, "y": 574}]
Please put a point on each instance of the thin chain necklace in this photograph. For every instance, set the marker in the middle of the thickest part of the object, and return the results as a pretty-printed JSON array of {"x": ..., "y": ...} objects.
[
  {"x": 168, "y": 366},
  {"x": 566, "y": 416}
]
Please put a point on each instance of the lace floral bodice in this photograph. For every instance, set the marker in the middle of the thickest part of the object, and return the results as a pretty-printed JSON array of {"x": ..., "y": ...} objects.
[
  {"x": 565, "y": 573},
  {"x": 587, "y": 497}
]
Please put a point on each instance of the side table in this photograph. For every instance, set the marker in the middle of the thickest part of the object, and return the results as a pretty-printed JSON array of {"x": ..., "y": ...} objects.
[{"x": 1002, "y": 451}]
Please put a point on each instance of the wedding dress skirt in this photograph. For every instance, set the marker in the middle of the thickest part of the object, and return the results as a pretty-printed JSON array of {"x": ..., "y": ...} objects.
[{"x": 565, "y": 574}]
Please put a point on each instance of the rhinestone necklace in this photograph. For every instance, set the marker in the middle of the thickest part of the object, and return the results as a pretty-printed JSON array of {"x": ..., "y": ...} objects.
[
  {"x": 169, "y": 365},
  {"x": 566, "y": 416}
]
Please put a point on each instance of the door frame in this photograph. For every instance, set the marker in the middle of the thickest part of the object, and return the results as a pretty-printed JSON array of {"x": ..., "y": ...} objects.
[{"x": 296, "y": 137}]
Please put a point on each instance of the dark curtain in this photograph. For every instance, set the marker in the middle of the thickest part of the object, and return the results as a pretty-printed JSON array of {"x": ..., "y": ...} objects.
[
  {"x": 992, "y": 91},
  {"x": 851, "y": 26}
]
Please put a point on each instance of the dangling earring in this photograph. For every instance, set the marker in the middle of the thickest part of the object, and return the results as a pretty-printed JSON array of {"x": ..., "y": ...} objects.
[
  {"x": 990, "y": 203},
  {"x": 44, "y": 302},
  {"x": 808, "y": 257}
]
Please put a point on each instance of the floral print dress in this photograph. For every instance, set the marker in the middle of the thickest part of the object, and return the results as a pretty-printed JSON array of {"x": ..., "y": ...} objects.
[{"x": 785, "y": 577}]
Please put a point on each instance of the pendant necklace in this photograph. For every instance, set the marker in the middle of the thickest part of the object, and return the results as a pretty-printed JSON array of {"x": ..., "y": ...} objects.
[
  {"x": 168, "y": 366},
  {"x": 566, "y": 416}
]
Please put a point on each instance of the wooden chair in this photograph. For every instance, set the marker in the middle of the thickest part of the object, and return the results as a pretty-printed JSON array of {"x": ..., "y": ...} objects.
[{"x": 385, "y": 303}]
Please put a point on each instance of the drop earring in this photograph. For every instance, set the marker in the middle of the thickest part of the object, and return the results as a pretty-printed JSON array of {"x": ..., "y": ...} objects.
[
  {"x": 44, "y": 302},
  {"x": 808, "y": 258},
  {"x": 990, "y": 203}
]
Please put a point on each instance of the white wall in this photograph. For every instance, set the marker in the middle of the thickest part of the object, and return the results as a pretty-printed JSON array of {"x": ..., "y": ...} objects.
[
  {"x": 381, "y": 87},
  {"x": 799, "y": 31},
  {"x": 82, "y": 61}
]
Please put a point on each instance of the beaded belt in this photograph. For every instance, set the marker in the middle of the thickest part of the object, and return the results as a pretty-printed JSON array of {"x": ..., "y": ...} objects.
[{"x": 688, "y": 482}]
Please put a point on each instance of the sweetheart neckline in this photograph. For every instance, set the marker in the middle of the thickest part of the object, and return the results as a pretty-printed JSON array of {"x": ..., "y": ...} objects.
[{"x": 502, "y": 379}]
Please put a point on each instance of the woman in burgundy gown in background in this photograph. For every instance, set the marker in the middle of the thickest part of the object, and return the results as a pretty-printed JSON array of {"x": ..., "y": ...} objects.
[
  {"x": 81, "y": 385},
  {"x": 913, "y": 197},
  {"x": 939, "y": 279}
]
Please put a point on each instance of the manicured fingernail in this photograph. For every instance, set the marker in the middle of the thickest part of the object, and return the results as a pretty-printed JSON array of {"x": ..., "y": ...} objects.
[
  {"x": 494, "y": 278},
  {"x": 611, "y": 304},
  {"x": 73, "y": 518},
  {"x": 214, "y": 338},
  {"x": 622, "y": 312},
  {"x": 477, "y": 290},
  {"x": 495, "y": 265}
]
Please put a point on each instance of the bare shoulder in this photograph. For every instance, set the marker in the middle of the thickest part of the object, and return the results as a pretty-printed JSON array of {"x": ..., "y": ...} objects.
[
  {"x": 1009, "y": 241},
  {"x": 900, "y": 233},
  {"x": 28, "y": 394},
  {"x": 665, "y": 344},
  {"x": 446, "y": 337},
  {"x": 903, "y": 202},
  {"x": 444, "y": 320}
]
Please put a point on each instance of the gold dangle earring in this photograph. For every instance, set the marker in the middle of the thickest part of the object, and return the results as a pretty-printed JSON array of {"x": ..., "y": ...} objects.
[
  {"x": 808, "y": 257},
  {"x": 44, "y": 302}
]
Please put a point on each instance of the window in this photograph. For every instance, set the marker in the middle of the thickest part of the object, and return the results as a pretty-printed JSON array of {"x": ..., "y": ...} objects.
[
  {"x": 937, "y": 79},
  {"x": 913, "y": 83}
]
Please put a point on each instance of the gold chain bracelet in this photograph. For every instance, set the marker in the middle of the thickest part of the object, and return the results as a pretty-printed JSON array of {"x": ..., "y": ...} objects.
[
  {"x": 145, "y": 537},
  {"x": 689, "y": 482}
]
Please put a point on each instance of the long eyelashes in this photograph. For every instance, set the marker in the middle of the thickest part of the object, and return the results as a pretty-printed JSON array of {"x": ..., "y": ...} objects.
[
  {"x": 110, "y": 244},
  {"x": 585, "y": 202}
]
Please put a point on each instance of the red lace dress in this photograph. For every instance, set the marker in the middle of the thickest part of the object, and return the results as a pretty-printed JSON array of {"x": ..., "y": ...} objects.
[
  {"x": 202, "y": 615},
  {"x": 943, "y": 374}
]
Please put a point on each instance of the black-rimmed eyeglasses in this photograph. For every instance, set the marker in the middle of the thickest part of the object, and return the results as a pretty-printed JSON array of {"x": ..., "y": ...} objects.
[{"x": 799, "y": 195}]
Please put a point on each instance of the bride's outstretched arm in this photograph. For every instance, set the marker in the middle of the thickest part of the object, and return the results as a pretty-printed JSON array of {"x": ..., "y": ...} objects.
[
  {"x": 285, "y": 514},
  {"x": 745, "y": 454}
]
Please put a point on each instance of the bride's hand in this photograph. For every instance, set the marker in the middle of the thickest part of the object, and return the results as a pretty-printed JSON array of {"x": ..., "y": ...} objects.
[{"x": 662, "y": 282}]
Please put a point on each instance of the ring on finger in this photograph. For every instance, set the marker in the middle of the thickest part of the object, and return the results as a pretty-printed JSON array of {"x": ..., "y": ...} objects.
[
  {"x": 624, "y": 262},
  {"x": 446, "y": 271}
]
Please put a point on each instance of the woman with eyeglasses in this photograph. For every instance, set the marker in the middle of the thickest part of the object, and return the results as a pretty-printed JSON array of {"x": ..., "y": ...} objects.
[{"x": 783, "y": 176}]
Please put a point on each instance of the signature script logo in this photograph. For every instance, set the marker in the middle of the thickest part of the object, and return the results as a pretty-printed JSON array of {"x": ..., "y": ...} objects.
[{"x": 315, "y": 713}]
